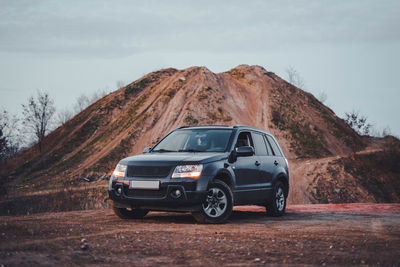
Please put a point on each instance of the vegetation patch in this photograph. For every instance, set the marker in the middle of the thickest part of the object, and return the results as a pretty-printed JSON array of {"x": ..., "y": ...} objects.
[
  {"x": 236, "y": 73},
  {"x": 204, "y": 93},
  {"x": 135, "y": 88},
  {"x": 170, "y": 92},
  {"x": 190, "y": 120},
  {"x": 219, "y": 115},
  {"x": 77, "y": 139},
  {"x": 306, "y": 140},
  {"x": 378, "y": 173},
  {"x": 212, "y": 116},
  {"x": 109, "y": 161}
]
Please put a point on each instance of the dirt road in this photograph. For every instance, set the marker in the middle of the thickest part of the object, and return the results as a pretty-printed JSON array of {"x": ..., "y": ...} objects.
[{"x": 346, "y": 234}]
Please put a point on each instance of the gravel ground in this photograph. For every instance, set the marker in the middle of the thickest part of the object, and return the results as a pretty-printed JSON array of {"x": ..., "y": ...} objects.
[{"x": 346, "y": 234}]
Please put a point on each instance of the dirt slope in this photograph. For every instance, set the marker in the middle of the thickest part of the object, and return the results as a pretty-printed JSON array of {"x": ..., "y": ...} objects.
[{"x": 131, "y": 118}]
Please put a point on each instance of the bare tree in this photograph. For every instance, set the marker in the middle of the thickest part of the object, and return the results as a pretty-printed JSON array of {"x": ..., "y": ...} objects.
[
  {"x": 294, "y": 77},
  {"x": 81, "y": 103},
  {"x": 120, "y": 84},
  {"x": 10, "y": 135},
  {"x": 97, "y": 95},
  {"x": 38, "y": 114},
  {"x": 358, "y": 122},
  {"x": 386, "y": 131},
  {"x": 322, "y": 97},
  {"x": 63, "y": 116},
  {"x": 3, "y": 146}
]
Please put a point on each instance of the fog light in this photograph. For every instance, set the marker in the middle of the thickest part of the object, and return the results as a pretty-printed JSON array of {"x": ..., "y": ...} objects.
[
  {"x": 177, "y": 193},
  {"x": 118, "y": 191}
]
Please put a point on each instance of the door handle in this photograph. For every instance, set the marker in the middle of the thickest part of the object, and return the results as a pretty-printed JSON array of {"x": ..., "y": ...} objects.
[
  {"x": 276, "y": 163},
  {"x": 257, "y": 163}
]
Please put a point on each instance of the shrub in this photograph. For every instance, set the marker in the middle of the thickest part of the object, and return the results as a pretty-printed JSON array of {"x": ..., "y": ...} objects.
[{"x": 191, "y": 120}]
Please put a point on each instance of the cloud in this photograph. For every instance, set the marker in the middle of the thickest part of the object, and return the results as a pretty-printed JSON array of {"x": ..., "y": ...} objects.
[{"x": 122, "y": 28}]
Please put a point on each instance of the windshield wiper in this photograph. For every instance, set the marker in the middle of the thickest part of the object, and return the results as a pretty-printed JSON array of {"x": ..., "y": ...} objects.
[
  {"x": 190, "y": 150},
  {"x": 163, "y": 150}
]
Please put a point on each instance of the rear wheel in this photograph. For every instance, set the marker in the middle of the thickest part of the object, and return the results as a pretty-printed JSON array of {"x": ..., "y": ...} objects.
[
  {"x": 217, "y": 207},
  {"x": 278, "y": 204},
  {"x": 125, "y": 213}
]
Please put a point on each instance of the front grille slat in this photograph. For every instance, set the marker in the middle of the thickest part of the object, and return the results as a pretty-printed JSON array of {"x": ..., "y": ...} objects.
[{"x": 148, "y": 171}]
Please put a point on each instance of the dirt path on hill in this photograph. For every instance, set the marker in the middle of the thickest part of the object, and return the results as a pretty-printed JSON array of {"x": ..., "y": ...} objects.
[
  {"x": 303, "y": 171},
  {"x": 343, "y": 234}
]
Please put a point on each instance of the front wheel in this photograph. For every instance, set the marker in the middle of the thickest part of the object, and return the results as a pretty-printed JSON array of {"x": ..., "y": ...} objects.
[
  {"x": 124, "y": 213},
  {"x": 278, "y": 204},
  {"x": 217, "y": 207}
]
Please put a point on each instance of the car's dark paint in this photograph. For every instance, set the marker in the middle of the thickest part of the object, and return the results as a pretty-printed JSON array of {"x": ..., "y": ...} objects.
[{"x": 250, "y": 175}]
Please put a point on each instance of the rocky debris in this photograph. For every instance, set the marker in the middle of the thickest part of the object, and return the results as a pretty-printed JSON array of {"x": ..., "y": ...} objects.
[
  {"x": 93, "y": 178},
  {"x": 84, "y": 244}
]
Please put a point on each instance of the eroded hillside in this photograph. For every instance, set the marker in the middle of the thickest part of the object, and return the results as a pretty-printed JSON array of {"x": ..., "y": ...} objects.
[{"x": 131, "y": 118}]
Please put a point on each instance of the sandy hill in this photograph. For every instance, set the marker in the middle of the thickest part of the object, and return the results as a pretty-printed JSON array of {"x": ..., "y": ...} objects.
[{"x": 319, "y": 145}]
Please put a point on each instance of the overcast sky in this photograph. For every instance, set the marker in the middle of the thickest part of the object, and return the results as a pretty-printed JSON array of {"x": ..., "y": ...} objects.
[{"x": 348, "y": 49}]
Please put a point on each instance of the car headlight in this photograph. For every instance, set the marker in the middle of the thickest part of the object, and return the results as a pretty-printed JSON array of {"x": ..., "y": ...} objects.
[
  {"x": 188, "y": 171},
  {"x": 119, "y": 170}
]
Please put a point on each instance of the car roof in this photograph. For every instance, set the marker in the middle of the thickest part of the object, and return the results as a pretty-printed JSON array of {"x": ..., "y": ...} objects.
[{"x": 245, "y": 127}]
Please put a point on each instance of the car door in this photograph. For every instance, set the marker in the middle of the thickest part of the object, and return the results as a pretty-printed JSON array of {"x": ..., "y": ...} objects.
[
  {"x": 246, "y": 169},
  {"x": 266, "y": 159},
  {"x": 277, "y": 155}
]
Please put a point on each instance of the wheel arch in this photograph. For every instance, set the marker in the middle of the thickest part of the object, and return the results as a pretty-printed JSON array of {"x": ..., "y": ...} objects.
[
  {"x": 284, "y": 180},
  {"x": 225, "y": 177}
]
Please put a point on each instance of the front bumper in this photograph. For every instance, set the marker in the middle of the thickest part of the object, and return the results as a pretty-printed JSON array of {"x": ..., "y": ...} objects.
[{"x": 165, "y": 198}]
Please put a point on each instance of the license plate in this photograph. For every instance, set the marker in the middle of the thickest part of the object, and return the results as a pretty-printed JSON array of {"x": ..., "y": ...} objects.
[{"x": 150, "y": 185}]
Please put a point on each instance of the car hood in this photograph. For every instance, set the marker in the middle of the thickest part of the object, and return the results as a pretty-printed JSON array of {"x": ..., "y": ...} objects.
[{"x": 174, "y": 158}]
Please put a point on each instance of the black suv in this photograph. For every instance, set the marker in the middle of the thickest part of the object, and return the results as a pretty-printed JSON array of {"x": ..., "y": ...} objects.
[{"x": 205, "y": 170}]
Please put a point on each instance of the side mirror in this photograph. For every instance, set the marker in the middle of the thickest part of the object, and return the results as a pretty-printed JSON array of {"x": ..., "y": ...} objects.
[
  {"x": 244, "y": 151},
  {"x": 147, "y": 149}
]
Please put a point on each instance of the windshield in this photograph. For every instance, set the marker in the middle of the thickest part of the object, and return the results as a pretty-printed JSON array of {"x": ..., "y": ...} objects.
[{"x": 195, "y": 140}]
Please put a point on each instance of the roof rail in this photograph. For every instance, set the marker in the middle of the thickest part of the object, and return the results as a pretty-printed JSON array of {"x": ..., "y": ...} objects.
[
  {"x": 211, "y": 125},
  {"x": 238, "y": 126}
]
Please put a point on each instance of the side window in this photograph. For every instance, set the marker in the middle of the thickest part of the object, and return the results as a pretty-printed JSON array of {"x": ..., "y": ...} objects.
[
  {"x": 270, "y": 153},
  {"x": 244, "y": 139},
  {"x": 261, "y": 149},
  {"x": 274, "y": 146}
]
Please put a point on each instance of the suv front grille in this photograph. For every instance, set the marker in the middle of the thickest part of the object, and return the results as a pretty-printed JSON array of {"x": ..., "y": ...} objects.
[{"x": 148, "y": 171}]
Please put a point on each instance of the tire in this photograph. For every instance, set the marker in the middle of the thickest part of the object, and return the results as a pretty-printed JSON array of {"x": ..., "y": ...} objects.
[
  {"x": 277, "y": 206},
  {"x": 217, "y": 207},
  {"x": 124, "y": 213}
]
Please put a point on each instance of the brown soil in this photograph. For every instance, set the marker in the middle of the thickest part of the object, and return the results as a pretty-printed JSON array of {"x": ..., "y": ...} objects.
[
  {"x": 345, "y": 234},
  {"x": 133, "y": 117}
]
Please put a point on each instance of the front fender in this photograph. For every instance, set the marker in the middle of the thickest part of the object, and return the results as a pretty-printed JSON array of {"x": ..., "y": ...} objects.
[{"x": 216, "y": 169}]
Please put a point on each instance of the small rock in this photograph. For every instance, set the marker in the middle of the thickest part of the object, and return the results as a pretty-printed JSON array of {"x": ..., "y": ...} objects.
[{"x": 84, "y": 244}]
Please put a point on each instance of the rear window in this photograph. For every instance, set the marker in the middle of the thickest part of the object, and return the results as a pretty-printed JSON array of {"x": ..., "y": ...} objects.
[{"x": 274, "y": 146}]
